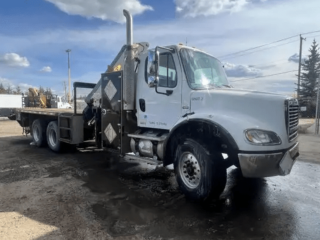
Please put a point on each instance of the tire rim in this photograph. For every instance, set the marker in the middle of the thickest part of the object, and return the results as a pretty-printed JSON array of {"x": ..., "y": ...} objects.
[
  {"x": 52, "y": 137},
  {"x": 189, "y": 170},
  {"x": 36, "y": 133}
]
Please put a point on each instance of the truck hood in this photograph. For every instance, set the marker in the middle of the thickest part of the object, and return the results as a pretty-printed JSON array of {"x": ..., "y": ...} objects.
[
  {"x": 237, "y": 100},
  {"x": 240, "y": 91},
  {"x": 238, "y": 110}
]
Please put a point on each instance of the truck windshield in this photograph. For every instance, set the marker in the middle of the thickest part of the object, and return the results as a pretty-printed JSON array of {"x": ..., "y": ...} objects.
[{"x": 202, "y": 70}]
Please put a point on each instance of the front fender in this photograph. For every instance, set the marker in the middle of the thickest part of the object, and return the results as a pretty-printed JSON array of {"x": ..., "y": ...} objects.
[
  {"x": 236, "y": 123},
  {"x": 186, "y": 126},
  {"x": 232, "y": 125},
  {"x": 220, "y": 130}
]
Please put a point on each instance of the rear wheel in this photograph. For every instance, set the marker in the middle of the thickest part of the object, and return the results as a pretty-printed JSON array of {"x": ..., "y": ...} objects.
[
  {"x": 53, "y": 137},
  {"x": 39, "y": 132},
  {"x": 199, "y": 172}
]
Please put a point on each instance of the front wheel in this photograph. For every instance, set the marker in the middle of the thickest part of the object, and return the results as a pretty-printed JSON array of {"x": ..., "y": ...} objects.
[{"x": 199, "y": 172}]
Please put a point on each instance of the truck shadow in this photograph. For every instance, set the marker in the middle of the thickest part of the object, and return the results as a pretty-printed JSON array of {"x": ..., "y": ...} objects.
[
  {"x": 148, "y": 196},
  {"x": 131, "y": 199},
  {"x": 26, "y": 140}
]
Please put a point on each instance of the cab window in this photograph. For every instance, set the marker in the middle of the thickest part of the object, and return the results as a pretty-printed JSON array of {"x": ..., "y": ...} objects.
[{"x": 167, "y": 71}]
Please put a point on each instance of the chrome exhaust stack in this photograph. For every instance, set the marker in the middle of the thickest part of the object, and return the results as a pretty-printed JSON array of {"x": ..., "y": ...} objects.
[
  {"x": 129, "y": 27},
  {"x": 128, "y": 70}
]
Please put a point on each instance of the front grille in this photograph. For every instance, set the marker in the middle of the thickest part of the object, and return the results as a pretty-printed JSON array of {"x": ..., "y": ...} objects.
[{"x": 292, "y": 118}]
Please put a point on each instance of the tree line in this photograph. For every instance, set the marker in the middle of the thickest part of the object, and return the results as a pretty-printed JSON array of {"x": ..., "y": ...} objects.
[
  {"x": 17, "y": 90},
  {"x": 9, "y": 90},
  {"x": 309, "y": 80}
]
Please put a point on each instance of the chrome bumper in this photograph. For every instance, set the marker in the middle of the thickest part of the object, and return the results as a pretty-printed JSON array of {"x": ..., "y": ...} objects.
[{"x": 267, "y": 165}]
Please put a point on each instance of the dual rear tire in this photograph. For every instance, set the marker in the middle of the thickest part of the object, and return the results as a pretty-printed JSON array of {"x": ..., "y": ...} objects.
[
  {"x": 39, "y": 133},
  {"x": 53, "y": 137},
  {"x": 43, "y": 134}
]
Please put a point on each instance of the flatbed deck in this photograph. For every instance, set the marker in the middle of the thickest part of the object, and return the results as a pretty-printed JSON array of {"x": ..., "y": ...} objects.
[{"x": 44, "y": 111}]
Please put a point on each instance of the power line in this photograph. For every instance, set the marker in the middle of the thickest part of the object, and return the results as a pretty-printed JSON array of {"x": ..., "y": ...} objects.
[
  {"x": 284, "y": 39},
  {"x": 278, "y": 62},
  {"x": 314, "y": 36},
  {"x": 261, "y": 49},
  {"x": 310, "y": 32},
  {"x": 258, "y": 46},
  {"x": 265, "y": 76},
  {"x": 272, "y": 64},
  {"x": 282, "y": 61}
]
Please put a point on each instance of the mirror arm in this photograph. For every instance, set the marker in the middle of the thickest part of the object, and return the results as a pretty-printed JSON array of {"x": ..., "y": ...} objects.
[{"x": 138, "y": 63}]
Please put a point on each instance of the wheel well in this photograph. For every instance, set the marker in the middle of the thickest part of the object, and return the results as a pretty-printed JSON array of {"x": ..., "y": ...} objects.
[
  {"x": 45, "y": 119},
  {"x": 28, "y": 119},
  {"x": 210, "y": 133}
]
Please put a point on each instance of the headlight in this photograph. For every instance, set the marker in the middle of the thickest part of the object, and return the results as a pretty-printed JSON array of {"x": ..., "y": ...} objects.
[{"x": 262, "y": 137}]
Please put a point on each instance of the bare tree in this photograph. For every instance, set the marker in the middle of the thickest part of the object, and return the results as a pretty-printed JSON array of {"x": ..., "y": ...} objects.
[
  {"x": 18, "y": 90},
  {"x": 2, "y": 89},
  {"x": 9, "y": 90}
]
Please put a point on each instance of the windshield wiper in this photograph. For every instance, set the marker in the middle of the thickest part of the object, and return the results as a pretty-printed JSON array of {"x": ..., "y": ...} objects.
[{"x": 226, "y": 85}]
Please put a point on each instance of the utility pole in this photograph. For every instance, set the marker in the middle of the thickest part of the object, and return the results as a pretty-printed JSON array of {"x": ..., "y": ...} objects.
[
  {"x": 69, "y": 94},
  {"x": 317, "y": 109},
  {"x": 65, "y": 90},
  {"x": 299, "y": 70}
]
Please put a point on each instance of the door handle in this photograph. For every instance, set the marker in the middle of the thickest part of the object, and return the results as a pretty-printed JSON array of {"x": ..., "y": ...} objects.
[
  {"x": 168, "y": 92},
  {"x": 142, "y": 104}
]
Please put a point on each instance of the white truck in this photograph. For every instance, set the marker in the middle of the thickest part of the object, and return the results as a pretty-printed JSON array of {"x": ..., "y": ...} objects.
[
  {"x": 174, "y": 105},
  {"x": 8, "y": 102},
  {"x": 61, "y": 102}
]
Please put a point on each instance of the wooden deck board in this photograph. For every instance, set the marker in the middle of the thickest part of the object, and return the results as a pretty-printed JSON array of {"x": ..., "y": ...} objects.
[{"x": 45, "y": 111}]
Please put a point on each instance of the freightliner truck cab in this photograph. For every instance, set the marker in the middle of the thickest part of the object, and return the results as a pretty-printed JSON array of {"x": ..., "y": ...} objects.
[{"x": 174, "y": 105}]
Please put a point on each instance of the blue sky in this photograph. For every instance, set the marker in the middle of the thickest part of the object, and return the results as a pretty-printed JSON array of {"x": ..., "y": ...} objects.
[{"x": 35, "y": 34}]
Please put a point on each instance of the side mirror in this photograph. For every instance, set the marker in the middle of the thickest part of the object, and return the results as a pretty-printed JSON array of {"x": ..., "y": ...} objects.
[{"x": 153, "y": 60}]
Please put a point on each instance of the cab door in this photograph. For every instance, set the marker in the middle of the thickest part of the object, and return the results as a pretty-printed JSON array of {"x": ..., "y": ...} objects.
[{"x": 160, "y": 107}]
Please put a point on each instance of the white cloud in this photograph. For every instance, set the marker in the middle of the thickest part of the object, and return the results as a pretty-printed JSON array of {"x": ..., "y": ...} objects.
[
  {"x": 102, "y": 9},
  {"x": 25, "y": 86},
  {"x": 295, "y": 58},
  {"x": 14, "y": 60},
  {"x": 5, "y": 82},
  {"x": 240, "y": 70},
  {"x": 194, "y": 8},
  {"x": 218, "y": 35},
  {"x": 46, "y": 69},
  {"x": 11, "y": 83}
]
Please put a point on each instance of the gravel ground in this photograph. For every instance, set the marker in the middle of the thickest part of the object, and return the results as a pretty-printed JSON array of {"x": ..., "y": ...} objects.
[{"x": 94, "y": 195}]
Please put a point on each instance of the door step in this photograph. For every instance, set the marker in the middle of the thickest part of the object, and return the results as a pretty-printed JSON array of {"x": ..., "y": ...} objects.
[
  {"x": 142, "y": 159},
  {"x": 149, "y": 137}
]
